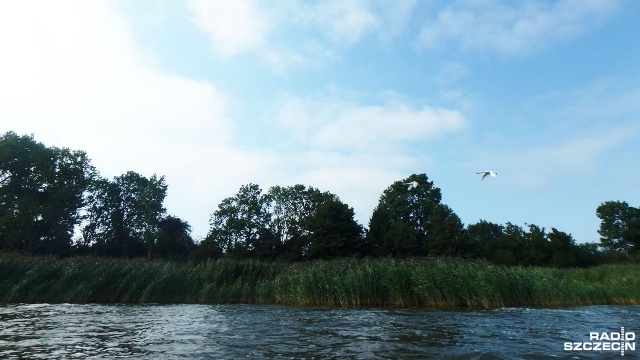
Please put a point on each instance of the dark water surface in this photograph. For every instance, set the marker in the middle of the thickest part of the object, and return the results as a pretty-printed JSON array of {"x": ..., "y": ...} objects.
[{"x": 269, "y": 331}]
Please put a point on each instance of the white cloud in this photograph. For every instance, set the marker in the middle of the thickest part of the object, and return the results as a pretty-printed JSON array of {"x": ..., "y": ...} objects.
[
  {"x": 71, "y": 70},
  {"x": 357, "y": 178},
  {"x": 295, "y": 33},
  {"x": 355, "y": 150},
  {"x": 357, "y": 185},
  {"x": 607, "y": 98},
  {"x": 233, "y": 26},
  {"x": 450, "y": 73},
  {"x": 576, "y": 157},
  {"x": 512, "y": 29},
  {"x": 73, "y": 76},
  {"x": 340, "y": 21},
  {"x": 248, "y": 26},
  {"x": 282, "y": 59},
  {"x": 334, "y": 124},
  {"x": 395, "y": 17},
  {"x": 579, "y": 155}
]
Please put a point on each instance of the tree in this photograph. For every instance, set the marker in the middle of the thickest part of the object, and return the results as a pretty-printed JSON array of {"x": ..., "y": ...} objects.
[
  {"x": 333, "y": 232},
  {"x": 401, "y": 223},
  {"x": 446, "y": 235},
  {"x": 123, "y": 216},
  {"x": 267, "y": 246},
  {"x": 266, "y": 225},
  {"x": 289, "y": 208},
  {"x": 617, "y": 218},
  {"x": 481, "y": 235},
  {"x": 512, "y": 245},
  {"x": 236, "y": 225},
  {"x": 174, "y": 240},
  {"x": 588, "y": 254},
  {"x": 535, "y": 247},
  {"x": 507, "y": 249},
  {"x": 563, "y": 249},
  {"x": 41, "y": 194},
  {"x": 631, "y": 235},
  {"x": 207, "y": 249}
]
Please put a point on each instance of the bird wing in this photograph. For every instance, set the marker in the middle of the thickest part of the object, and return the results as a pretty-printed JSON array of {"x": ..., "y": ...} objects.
[{"x": 485, "y": 175}]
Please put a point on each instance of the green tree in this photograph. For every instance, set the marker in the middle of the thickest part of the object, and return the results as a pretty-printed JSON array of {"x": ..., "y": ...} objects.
[
  {"x": 631, "y": 235},
  {"x": 535, "y": 247},
  {"x": 507, "y": 249},
  {"x": 41, "y": 194},
  {"x": 403, "y": 222},
  {"x": 446, "y": 234},
  {"x": 268, "y": 225},
  {"x": 589, "y": 254},
  {"x": 512, "y": 245},
  {"x": 617, "y": 217},
  {"x": 236, "y": 225},
  {"x": 174, "y": 239},
  {"x": 207, "y": 249},
  {"x": 333, "y": 231},
  {"x": 268, "y": 245},
  {"x": 563, "y": 249},
  {"x": 123, "y": 216},
  {"x": 289, "y": 208},
  {"x": 481, "y": 235}
]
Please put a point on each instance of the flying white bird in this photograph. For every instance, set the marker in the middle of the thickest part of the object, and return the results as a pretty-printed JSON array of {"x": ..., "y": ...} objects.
[
  {"x": 412, "y": 185},
  {"x": 488, "y": 173}
]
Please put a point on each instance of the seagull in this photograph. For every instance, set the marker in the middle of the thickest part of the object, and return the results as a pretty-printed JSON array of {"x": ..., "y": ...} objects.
[
  {"x": 487, "y": 173},
  {"x": 412, "y": 185}
]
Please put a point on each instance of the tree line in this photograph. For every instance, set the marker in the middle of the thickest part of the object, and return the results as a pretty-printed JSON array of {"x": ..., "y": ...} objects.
[{"x": 54, "y": 202}]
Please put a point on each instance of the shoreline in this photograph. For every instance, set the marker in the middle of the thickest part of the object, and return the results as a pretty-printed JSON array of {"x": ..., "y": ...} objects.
[{"x": 438, "y": 283}]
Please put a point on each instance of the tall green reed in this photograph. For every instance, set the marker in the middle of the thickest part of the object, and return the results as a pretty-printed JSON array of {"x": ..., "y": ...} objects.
[{"x": 419, "y": 282}]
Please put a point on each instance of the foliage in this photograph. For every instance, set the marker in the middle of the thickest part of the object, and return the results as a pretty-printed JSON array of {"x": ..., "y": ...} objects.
[
  {"x": 52, "y": 201},
  {"x": 290, "y": 208},
  {"x": 411, "y": 221},
  {"x": 631, "y": 235},
  {"x": 41, "y": 194},
  {"x": 123, "y": 216},
  {"x": 346, "y": 282},
  {"x": 446, "y": 235},
  {"x": 333, "y": 232},
  {"x": 236, "y": 224},
  {"x": 173, "y": 239},
  {"x": 513, "y": 245},
  {"x": 619, "y": 226},
  {"x": 271, "y": 225},
  {"x": 481, "y": 236}
]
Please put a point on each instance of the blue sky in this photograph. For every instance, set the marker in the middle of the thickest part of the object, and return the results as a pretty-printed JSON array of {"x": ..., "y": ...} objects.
[{"x": 344, "y": 96}]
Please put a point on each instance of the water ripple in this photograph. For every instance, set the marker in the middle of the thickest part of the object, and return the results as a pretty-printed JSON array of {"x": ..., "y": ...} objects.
[{"x": 250, "y": 331}]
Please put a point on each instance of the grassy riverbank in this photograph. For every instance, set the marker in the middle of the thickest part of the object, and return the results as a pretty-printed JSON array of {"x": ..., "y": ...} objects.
[{"x": 344, "y": 282}]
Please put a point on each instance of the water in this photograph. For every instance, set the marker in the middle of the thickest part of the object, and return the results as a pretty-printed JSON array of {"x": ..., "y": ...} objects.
[{"x": 269, "y": 331}]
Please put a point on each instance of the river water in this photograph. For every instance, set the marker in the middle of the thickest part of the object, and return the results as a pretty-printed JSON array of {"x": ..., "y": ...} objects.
[{"x": 270, "y": 331}]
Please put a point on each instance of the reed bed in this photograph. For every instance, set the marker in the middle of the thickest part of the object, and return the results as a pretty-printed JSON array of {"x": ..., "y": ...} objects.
[{"x": 420, "y": 282}]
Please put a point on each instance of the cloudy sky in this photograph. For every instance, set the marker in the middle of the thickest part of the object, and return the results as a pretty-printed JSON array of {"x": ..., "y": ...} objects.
[{"x": 344, "y": 96}]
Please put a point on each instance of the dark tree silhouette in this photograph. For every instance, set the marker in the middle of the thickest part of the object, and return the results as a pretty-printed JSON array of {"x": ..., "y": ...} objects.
[
  {"x": 333, "y": 232},
  {"x": 41, "y": 194},
  {"x": 124, "y": 214},
  {"x": 410, "y": 221}
]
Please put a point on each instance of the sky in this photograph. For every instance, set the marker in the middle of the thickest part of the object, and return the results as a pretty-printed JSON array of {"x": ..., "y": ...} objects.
[{"x": 344, "y": 96}]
